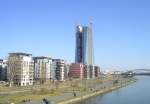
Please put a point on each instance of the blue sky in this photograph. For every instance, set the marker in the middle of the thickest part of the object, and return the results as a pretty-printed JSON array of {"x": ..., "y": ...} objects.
[{"x": 121, "y": 29}]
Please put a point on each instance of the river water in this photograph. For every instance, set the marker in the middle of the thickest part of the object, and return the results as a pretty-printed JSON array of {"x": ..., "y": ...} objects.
[{"x": 136, "y": 93}]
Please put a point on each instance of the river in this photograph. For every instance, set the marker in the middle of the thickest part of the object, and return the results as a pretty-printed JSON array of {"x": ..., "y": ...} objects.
[{"x": 136, "y": 93}]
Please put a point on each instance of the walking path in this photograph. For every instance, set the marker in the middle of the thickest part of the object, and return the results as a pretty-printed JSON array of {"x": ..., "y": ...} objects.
[
  {"x": 68, "y": 94},
  {"x": 67, "y": 97}
]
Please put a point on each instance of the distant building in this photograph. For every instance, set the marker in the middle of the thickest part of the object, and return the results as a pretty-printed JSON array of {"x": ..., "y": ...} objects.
[
  {"x": 91, "y": 71},
  {"x": 84, "y": 45},
  {"x": 97, "y": 71},
  {"x": 59, "y": 69},
  {"x": 20, "y": 69},
  {"x": 3, "y": 70},
  {"x": 84, "y": 49},
  {"x": 67, "y": 68},
  {"x": 87, "y": 72},
  {"x": 42, "y": 69},
  {"x": 76, "y": 70}
]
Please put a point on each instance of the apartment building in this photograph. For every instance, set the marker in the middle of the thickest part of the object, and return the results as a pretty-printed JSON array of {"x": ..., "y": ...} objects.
[
  {"x": 59, "y": 69},
  {"x": 43, "y": 69},
  {"x": 20, "y": 69},
  {"x": 97, "y": 71},
  {"x": 3, "y": 70},
  {"x": 76, "y": 70}
]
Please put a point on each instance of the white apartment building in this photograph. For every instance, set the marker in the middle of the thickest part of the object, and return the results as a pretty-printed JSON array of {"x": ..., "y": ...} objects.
[
  {"x": 20, "y": 69},
  {"x": 42, "y": 68}
]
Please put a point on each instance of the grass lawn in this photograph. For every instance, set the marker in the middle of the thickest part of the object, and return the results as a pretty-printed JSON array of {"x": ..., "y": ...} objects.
[{"x": 33, "y": 95}]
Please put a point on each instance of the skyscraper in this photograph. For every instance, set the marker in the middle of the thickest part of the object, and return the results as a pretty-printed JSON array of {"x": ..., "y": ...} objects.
[
  {"x": 84, "y": 45},
  {"x": 84, "y": 49}
]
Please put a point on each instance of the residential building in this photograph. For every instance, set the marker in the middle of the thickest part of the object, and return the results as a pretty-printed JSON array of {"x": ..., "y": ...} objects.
[
  {"x": 42, "y": 69},
  {"x": 67, "y": 69},
  {"x": 3, "y": 70},
  {"x": 87, "y": 72},
  {"x": 59, "y": 69},
  {"x": 76, "y": 70},
  {"x": 91, "y": 71},
  {"x": 97, "y": 71},
  {"x": 20, "y": 69}
]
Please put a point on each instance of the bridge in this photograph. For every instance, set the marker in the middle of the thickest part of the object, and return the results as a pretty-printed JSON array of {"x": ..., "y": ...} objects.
[{"x": 138, "y": 72}]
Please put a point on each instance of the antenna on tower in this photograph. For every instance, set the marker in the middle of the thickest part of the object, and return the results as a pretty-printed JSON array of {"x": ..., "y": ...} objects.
[{"x": 91, "y": 22}]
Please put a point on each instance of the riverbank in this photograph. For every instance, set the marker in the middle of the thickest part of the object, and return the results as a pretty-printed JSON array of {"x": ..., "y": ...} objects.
[
  {"x": 66, "y": 93},
  {"x": 96, "y": 93},
  {"x": 136, "y": 93}
]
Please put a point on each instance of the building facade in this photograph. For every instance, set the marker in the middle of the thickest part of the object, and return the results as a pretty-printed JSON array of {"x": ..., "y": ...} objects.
[
  {"x": 84, "y": 49},
  {"x": 3, "y": 70},
  {"x": 20, "y": 69},
  {"x": 84, "y": 45},
  {"x": 76, "y": 70},
  {"x": 97, "y": 71},
  {"x": 67, "y": 69},
  {"x": 59, "y": 69},
  {"x": 42, "y": 69}
]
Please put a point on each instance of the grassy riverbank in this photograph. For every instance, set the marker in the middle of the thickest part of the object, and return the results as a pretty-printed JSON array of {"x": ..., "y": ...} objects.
[
  {"x": 95, "y": 93},
  {"x": 63, "y": 92},
  {"x": 17, "y": 98}
]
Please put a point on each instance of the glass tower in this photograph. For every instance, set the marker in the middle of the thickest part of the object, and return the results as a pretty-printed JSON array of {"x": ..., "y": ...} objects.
[{"x": 84, "y": 45}]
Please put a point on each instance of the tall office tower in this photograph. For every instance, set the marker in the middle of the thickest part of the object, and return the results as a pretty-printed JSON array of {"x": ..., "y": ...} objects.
[
  {"x": 84, "y": 48},
  {"x": 20, "y": 69},
  {"x": 84, "y": 45}
]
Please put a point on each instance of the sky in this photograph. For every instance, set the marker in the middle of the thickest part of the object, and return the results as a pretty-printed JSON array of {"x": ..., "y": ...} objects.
[{"x": 121, "y": 30}]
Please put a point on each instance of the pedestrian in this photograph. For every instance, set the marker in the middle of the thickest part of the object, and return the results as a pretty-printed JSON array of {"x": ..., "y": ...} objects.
[
  {"x": 45, "y": 101},
  {"x": 74, "y": 94}
]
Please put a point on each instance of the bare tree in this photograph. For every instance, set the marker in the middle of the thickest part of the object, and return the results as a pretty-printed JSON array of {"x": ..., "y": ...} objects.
[
  {"x": 11, "y": 72},
  {"x": 43, "y": 73}
]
